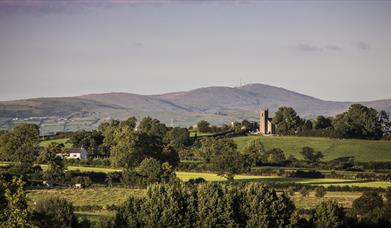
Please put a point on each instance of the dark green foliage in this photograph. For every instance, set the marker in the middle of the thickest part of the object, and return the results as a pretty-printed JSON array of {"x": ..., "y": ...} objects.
[
  {"x": 322, "y": 122},
  {"x": 287, "y": 121},
  {"x": 54, "y": 211},
  {"x": 155, "y": 172},
  {"x": 320, "y": 192},
  {"x": 152, "y": 127},
  {"x": 206, "y": 205},
  {"x": 254, "y": 152},
  {"x": 274, "y": 156},
  {"x": 178, "y": 138},
  {"x": 310, "y": 155},
  {"x": 90, "y": 140},
  {"x": 85, "y": 181},
  {"x": 304, "y": 191},
  {"x": 358, "y": 122},
  {"x": 369, "y": 208},
  {"x": 19, "y": 145},
  {"x": 222, "y": 156},
  {"x": 328, "y": 214},
  {"x": 13, "y": 205},
  {"x": 203, "y": 126},
  {"x": 262, "y": 207}
]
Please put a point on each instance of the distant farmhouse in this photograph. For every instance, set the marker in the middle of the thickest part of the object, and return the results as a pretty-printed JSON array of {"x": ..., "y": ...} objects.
[
  {"x": 76, "y": 153},
  {"x": 266, "y": 127}
]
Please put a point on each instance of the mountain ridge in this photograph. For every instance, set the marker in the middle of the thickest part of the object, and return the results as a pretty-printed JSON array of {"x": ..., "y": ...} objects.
[{"x": 217, "y": 104}]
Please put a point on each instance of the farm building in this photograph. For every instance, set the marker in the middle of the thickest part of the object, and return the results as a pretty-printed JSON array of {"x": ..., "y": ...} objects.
[{"x": 76, "y": 153}]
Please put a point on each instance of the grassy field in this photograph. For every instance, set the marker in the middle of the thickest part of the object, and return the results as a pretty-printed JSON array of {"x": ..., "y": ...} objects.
[
  {"x": 97, "y": 196},
  {"x": 64, "y": 141},
  {"x": 116, "y": 196},
  {"x": 362, "y": 150}
]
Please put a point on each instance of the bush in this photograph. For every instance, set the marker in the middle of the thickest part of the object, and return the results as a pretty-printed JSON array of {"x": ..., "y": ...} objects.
[
  {"x": 83, "y": 180},
  {"x": 328, "y": 214},
  {"x": 304, "y": 192},
  {"x": 54, "y": 211},
  {"x": 320, "y": 192},
  {"x": 207, "y": 205}
]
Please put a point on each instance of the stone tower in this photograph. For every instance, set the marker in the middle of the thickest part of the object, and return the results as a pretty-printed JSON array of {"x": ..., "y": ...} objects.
[{"x": 263, "y": 123}]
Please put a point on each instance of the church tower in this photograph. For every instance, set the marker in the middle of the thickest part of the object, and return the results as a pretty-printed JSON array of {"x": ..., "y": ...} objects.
[{"x": 263, "y": 123}]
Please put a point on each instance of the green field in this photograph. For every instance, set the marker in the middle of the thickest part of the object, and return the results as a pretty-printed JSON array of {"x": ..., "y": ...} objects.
[
  {"x": 103, "y": 197},
  {"x": 64, "y": 141},
  {"x": 362, "y": 150}
]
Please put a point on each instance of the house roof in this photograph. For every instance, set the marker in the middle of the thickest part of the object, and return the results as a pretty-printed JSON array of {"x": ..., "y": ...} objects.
[{"x": 73, "y": 150}]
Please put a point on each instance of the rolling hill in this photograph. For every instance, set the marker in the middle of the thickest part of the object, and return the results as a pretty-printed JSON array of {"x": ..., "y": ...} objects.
[{"x": 215, "y": 104}]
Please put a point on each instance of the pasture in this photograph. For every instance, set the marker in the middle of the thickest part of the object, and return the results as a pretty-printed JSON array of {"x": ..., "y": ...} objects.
[
  {"x": 105, "y": 197},
  {"x": 64, "y": 141},
  {"x": 362, "y": 150}
]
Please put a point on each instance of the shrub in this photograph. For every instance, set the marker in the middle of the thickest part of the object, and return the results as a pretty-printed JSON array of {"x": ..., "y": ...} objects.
[
  {"x": 320, "y": 192},
  {"x": 304, "y": 192},
  {"x": 328, "y": 214},
  {"x": 54, "y": 211}
]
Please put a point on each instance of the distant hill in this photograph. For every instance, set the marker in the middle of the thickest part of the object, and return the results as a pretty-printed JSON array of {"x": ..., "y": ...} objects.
[{"x": 215, "y": 104}]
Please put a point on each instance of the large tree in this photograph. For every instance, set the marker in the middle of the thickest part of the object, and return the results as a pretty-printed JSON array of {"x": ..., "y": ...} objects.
[
  {"x": 358, "y": 122},
  {"x": 222, "y": 156},
  {"x": 287, "y": 121}
]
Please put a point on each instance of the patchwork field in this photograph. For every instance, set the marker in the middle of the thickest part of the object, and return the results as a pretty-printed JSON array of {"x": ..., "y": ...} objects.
[
  {"x": 104, "y": 197},
  {"x": 64, "y": 141},
  {"x": 362, "y": 150}
]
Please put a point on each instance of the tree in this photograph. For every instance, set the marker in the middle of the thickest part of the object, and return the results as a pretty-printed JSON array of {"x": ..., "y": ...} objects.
[
  {"x": 90, "y": 140},
  {"x": 178, "y": 138},
  {"x": 18, "y": 145},
  {"x": 369, "y": 208},
  {"x": 385, "y": 122},
  {"x": 203, "y": 126},
  {"x": 228, "y": 163},
  {"x": 56, "y": 168},
  {"x": 287, "y": 121},
  {"x": 358, "y": 122},
  {"x": 221, "y": 155},
  {"x": 307, "y": 125},
  {"x": 275, "y": 156},
  {"x": 263, "y": 207},
  {"x": 310, "y": 155},
  {"x": 50, "y": 152},
  {"x": 13, "y": 202},
  {"x": 328, "y": 214},
  {"x": 322, "y": 122},
  {"x": 54, "y": 211},
  {"x": 254, "y": 151},
  {"x": 152, "y": 127},
  {"x": 156, "y": 172}
]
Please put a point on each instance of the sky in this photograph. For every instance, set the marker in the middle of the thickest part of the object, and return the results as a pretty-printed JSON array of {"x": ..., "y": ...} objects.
[{"x": 333, "y": 50}]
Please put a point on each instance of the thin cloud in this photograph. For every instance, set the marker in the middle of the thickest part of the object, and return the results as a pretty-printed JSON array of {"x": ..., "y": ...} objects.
[
  {"x": 308, "y": 48},
  {"x": 333, "y": 48},
  {"x": 363, "y": 46}
]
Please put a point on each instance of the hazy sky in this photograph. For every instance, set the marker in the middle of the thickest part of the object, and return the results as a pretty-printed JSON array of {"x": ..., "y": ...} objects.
[{"x": 335, "y": 50}]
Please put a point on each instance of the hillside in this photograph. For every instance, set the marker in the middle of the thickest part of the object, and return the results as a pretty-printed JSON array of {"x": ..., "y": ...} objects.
[{"x": 215, "y": 104}]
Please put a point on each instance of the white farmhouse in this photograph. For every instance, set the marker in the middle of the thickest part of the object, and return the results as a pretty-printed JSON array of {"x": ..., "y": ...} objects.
[{"x": 77, "y": 153}]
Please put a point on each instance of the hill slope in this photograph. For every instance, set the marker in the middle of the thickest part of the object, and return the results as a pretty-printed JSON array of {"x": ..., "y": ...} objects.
[{"x": 215, "y": 104}]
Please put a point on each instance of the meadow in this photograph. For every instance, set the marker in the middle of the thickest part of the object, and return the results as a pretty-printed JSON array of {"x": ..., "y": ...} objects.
[
  {"x": 362, "y": 150},
  {"x": 106, "y": 197},
  {"x": 64, "y": 141}
]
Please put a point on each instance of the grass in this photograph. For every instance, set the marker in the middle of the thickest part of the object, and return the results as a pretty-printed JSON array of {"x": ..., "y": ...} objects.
[
  {"x": 116, "y": 196},
  {"x": 64, "y": 141},
  {"x": 97, "y": 196},
  {"x": 94, "y": 216},
  {"x": 362, "y": 150}
]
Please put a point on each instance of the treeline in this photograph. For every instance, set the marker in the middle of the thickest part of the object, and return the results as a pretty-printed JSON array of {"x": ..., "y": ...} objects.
[
  {"x": 199, "y": 205},
  {"x": 358, "y": 122}
]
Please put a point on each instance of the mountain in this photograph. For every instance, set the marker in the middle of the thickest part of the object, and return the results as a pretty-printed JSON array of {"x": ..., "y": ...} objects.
[{"x": 215, "y": 104}]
